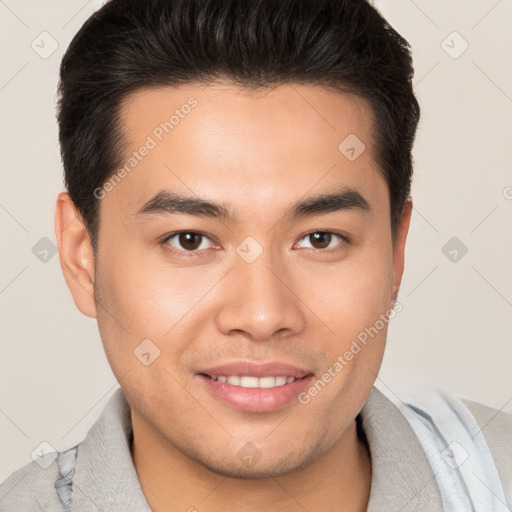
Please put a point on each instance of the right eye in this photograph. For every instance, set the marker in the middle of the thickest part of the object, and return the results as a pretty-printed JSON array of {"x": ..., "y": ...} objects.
[{"x": 188, "y": 241}]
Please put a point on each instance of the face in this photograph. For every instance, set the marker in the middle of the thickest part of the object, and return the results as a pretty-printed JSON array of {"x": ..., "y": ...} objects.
[{"x": 245, "y": 247}]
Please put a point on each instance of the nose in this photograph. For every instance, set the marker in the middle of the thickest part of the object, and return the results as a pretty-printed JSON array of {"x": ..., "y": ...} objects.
[{"x": 258, "y": 299}]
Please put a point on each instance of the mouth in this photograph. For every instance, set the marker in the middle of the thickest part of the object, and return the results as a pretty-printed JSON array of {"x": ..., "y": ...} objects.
[
  {"x": 249, "y": 381},
  {"x": 254, "y": 387}
]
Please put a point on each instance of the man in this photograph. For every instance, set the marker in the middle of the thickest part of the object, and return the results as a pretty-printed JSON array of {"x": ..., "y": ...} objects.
[{"x": 237, "y": 206}]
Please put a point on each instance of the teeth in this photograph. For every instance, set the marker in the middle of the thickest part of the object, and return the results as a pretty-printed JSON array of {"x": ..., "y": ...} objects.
[
  {"x": 269, "y": 382},
  {"x": 234, "y": 381},
  {"x": 248, "y": 381}
]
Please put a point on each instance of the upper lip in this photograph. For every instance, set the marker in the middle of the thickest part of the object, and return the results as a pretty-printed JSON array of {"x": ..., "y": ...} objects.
[{"x": 256, "y": 369}]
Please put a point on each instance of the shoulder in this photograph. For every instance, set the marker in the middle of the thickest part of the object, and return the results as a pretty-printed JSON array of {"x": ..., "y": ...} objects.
[
  {"x": 474, "y": 440},
  {"x": 496, "y": 425},
  {"x": 496, "y": 428},
  {"x": 32, "y": 487}
]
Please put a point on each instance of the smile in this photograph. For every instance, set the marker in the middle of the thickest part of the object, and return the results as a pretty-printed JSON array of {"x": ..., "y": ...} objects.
[
  {"x": 249, "y": 393},
  {"x": 248, "y": 381}
]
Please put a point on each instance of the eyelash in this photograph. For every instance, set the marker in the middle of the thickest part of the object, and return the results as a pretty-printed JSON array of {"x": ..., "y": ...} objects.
[{"x": 344, "y": 241}]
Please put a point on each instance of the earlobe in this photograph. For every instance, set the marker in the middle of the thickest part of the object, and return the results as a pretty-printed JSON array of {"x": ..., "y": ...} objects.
[
  {"x": 75, "y": 254},
  {"x": 399, "y": 247}
]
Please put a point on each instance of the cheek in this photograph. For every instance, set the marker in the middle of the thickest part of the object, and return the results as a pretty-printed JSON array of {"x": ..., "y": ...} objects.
[
  {"x": 351, "y": 295},
  {"x": 351, "y": 302},
  {"x": 148, "y": 296},
  {"x": 141, "y": 305},
  {"x": 128, "y": 297}
]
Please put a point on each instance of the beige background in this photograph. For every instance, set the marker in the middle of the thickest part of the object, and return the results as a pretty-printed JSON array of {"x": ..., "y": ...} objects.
[{"x": 456, "y": 325}]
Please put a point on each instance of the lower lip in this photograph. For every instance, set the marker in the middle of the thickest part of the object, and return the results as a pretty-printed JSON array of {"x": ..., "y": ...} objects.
[{"x": 256, "y": 399}]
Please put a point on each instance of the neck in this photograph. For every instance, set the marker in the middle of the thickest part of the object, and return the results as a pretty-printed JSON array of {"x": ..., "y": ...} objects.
[{"x": 337, "y": 481}]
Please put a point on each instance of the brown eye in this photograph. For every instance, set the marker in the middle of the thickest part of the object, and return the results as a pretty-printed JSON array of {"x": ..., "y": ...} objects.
[
  {"x": 323, "y": 240},
  {"x": 320, "y": 240},
  {"x": 188, "y": 241}
]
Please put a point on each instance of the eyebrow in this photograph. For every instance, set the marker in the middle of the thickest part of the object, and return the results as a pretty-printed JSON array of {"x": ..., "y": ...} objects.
[{"x": 165, "y": 203}]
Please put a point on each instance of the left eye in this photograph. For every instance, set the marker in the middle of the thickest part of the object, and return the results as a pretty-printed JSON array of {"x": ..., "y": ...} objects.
[
  {"x": 188, "y": 241},
  {"x": 323, "y": 239}
]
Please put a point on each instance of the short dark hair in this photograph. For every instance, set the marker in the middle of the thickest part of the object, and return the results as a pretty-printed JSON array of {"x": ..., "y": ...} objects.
[{"x": 131, "y": 44}]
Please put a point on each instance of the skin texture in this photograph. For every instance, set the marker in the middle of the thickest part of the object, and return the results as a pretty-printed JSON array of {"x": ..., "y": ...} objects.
[{"x": 258, "y": 153}]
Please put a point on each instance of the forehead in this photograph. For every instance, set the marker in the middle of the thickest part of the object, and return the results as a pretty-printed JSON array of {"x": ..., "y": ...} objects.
[
  {"x": 223, "y": 141},
  {"x": 220, "y": 110}
]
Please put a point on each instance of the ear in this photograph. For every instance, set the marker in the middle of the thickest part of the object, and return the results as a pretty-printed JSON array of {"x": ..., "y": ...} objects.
[
  {"x": 75, "y": 254},
  {"x": 399, "y": 247}
]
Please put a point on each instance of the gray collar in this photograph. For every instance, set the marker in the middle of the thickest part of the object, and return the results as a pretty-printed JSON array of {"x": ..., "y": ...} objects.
[
  {"x": 402, "y": 479},
  {"x": 105, "y": 478}
]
